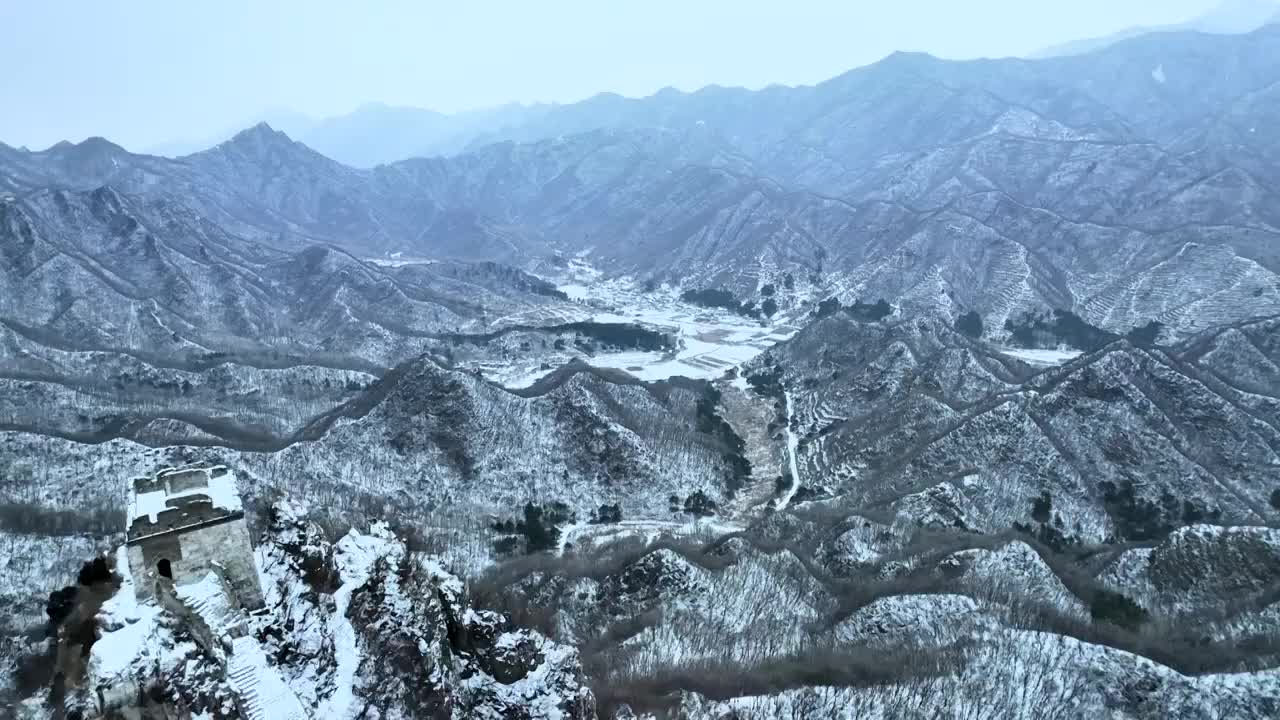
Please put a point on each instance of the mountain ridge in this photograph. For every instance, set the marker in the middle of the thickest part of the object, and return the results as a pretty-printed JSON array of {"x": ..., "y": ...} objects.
[
  {"x": 892, "y": 399},
  {"x": 835, "y": 183},
  {"x": 1230, "y": 17}
]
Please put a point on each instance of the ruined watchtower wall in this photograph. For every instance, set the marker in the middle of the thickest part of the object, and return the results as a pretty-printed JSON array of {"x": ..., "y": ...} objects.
[{"x": 185, "y": 523}]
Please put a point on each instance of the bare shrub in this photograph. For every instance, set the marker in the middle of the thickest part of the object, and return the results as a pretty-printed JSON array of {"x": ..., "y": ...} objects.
[{"x": 34, "y": 519}]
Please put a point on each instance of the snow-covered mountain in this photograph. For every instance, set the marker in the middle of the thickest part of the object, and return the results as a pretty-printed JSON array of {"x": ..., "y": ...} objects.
[
  {"x": 922, "y": 519},
  {"x": 934, "y": 390},
  {"x": 354, "y": 627},
  {"x": 1001, "y": 186},
  {"x": 103, "y": 271},
  {"x": 376, "y": 133},
  {"x": 915, "y": 416}
]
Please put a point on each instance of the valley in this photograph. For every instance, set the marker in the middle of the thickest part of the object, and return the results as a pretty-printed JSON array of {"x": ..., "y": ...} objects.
[{"x": 708, "y": 343}]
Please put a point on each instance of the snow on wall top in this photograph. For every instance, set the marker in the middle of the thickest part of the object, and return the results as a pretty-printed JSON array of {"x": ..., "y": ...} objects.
[{"x": 183, "y": 490}]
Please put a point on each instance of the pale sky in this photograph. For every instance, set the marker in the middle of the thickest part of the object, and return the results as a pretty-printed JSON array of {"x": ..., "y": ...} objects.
[{"x": 142, "y": 72}]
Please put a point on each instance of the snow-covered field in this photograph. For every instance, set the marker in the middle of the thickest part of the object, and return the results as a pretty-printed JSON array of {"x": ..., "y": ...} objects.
[
  {"x": 586, "y": 536},
  {"x": 1042, "y": 358},
  {"x": 395, "y": 260},
  {"x": 711, "y": 341}
]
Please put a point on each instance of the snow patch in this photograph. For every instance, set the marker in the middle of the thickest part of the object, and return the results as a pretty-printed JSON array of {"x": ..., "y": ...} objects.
[
  {"x": 355, "y": 558},
  {"x": 710, "y": 342},
  {"x": 1042, "y": 358},
  {"x": 219, "y": 485}
]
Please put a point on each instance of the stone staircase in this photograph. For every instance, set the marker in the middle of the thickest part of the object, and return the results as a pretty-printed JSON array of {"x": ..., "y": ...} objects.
[
  {"x": 209, "y": 601},
  {"x": 260, "y": 690},
  {"x": 242, "y": 675},
  {"x": 222, "y": 627}
]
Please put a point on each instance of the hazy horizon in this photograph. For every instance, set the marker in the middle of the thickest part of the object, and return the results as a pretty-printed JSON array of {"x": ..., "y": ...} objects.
[{"x": 146, "y": 73}]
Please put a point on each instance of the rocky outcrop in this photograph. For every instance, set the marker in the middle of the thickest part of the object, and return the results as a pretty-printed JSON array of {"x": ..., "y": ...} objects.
[
  {"x": 397, "y": 634},
  {"x": 358, "y": 626}
]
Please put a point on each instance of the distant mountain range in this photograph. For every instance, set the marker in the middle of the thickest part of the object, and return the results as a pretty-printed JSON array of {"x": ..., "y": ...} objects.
[
  {"x": 1002, "y": 187},
  {"x": 1231, "y": 17},
  {"x": 377, "y": 134}
]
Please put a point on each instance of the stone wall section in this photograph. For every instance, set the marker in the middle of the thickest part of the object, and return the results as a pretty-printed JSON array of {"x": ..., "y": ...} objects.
[
  {"x": 223, "y": 547},
  {"x": 226, "y": 547}
]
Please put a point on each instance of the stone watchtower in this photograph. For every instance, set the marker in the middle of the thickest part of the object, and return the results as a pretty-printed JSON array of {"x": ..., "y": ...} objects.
[{"x": 185, "y": 523}]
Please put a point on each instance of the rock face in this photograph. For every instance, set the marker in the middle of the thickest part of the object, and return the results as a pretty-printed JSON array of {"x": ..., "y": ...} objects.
[{"x": 420, "y": 648}]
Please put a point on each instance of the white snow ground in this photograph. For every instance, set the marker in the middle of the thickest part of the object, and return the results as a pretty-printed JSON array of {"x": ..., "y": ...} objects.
[
  {"x": 711, "y": 342},
  {"x": 356, "y": 555},
  {"x": 221, "y": 489},
  {"x": 584, "y": 535},
  {"x": 1042, "y": 358}
]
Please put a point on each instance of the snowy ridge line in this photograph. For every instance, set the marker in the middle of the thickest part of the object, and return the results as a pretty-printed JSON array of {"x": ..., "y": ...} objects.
[{"x": 924, "y": 404}]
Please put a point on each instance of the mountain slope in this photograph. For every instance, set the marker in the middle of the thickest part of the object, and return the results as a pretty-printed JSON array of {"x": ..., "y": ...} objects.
[
  {"x": 930, "y": 423},
  {"x": 373, "y": 627},
  {"x": 99, "y": 269},
  {"x": 1001, "y": 186},
  {"x": 582, "y": 438}
]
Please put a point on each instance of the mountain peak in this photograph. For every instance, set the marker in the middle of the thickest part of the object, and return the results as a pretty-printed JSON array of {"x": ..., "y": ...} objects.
[
  {"x": 911, "y": 60},
  {"x": 99, "y": 146},
  {"x": 89, "y": 146},
  {"x": 262, "y": 139},
  {"x": 261, "y": 131}
]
